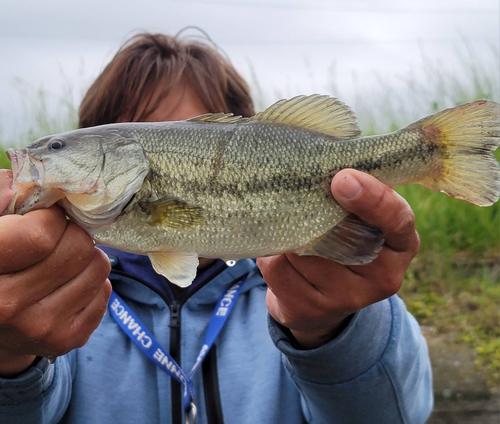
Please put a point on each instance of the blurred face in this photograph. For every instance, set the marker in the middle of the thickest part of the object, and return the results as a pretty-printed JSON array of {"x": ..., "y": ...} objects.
[{"x": 181, "y": 103}]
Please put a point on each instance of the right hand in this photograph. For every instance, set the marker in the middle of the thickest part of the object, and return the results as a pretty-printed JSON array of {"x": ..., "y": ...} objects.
[{"x": 54, "y": 285}]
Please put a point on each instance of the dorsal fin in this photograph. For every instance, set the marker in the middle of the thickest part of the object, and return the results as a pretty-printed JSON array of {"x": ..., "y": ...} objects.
[
  {"x": 323, "y": 114},
  {"x": 221, "y": 118}
]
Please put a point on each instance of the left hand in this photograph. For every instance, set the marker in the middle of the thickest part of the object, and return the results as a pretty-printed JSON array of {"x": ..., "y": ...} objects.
[{"x": 313, "y": 296}]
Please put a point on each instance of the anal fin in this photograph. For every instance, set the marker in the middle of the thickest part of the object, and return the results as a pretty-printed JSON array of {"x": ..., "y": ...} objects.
[
  {"x": 179, "y": 268},
  {"x": 351, "y": 242}
]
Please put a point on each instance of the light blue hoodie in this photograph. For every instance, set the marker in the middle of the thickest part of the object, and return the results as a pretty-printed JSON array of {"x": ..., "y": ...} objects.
[{"x": 376, "y": 371}]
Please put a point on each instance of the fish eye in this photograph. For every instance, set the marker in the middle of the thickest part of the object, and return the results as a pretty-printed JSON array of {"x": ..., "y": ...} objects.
[{"x": 56, "y": 145}]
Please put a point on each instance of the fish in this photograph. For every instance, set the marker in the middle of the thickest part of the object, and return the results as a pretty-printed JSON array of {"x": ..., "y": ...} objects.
[{"x": 232, "y": 187}]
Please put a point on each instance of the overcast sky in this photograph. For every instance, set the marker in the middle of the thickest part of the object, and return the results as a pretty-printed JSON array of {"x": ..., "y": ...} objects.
[{"x": 292, "y": 45}]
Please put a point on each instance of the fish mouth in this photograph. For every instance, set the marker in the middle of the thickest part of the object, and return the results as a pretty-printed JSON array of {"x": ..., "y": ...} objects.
[
  {"x": 12, "y": 155},
  {"x": 29, "y": 193},
  {"x": 25, "y": 169}
]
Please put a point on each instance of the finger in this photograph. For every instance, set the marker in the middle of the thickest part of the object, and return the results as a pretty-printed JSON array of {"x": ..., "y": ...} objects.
[
  {"x": 26, "y": 240},
  {"x": 282, "y": 312},
  {"x": 64, "y": 336},
  {"x": 87, "y": 320},
  {"x": 281, "y": 277},
  {"x": 296, "y": 312},
  {"x": 322, "y": 272},
  {"x": 294, "y": 302},
  {"x": 71, "y": 255},
  {"x": 378, "y": 283},
  {"x": 379, "y": 206},
  {"x": 75, "y": 295},
  {"x": 343, "y": 290},
  {"x": 6, "y": 193}
]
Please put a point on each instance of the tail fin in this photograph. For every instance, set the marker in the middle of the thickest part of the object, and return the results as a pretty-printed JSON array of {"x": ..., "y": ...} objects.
[{"x": 467, "y": 136}]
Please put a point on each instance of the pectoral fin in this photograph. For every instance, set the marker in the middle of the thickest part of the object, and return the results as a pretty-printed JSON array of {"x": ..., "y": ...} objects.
[
  {"x": 351, "y": 242},
  {"x": 178, "y": 268},
  {"x": 174, "y": 213}
]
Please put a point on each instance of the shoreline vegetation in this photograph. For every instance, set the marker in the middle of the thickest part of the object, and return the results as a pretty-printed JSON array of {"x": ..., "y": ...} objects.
[{"x": 453, "y": 285}]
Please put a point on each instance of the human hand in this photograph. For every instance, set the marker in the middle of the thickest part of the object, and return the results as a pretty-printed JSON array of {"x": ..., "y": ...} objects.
[
  {"x": 53, "y": 284},
  {"x": 313, "y": 296}
]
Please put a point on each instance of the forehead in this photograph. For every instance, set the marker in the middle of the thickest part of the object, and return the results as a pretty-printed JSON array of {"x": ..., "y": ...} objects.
[{"x": 181, "y": 103}]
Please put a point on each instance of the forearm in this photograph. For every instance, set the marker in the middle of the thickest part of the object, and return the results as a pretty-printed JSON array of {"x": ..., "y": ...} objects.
[{"x": 376, "y": 370}]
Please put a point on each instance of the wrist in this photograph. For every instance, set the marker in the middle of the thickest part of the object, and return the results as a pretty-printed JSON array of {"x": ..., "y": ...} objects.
[
  {"x": 13, "y": 364},
  {"x": 312, "y": 339}
]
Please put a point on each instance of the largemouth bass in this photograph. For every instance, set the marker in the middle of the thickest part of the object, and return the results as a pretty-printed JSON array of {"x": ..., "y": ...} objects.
[{"x": 223, "y": 186}]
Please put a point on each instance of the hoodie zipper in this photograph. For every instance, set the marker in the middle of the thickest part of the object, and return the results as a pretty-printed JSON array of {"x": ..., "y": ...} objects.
[
  {"x": 175, "y": 353},
  {"x": 213, "y": 403}
]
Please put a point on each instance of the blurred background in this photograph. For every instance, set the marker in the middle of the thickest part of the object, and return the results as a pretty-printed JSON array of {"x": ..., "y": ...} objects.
[{"x": 392, "y": 61}]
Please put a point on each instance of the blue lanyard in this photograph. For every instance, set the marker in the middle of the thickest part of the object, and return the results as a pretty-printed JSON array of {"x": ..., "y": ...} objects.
[{"x": 144, "y": 339}]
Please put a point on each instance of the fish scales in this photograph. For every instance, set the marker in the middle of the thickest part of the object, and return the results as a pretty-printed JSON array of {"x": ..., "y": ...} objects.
[
  {"x": 232, "y": 200},
  {"x": 227, "y": 187},
  {"x": 273, "y": 182}
]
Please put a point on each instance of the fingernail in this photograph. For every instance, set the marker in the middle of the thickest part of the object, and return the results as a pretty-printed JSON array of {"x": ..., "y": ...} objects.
[{"x": 350, "y": 187}]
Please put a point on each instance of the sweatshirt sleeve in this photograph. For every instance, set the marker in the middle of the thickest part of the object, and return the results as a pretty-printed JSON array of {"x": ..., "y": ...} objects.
[
  {"x": 39, "y": 395},
  {"x": 376, "y": 371}
]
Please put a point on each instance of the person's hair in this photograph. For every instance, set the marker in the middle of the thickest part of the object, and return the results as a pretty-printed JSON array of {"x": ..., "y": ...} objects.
[{"x": 148, "y": 66}]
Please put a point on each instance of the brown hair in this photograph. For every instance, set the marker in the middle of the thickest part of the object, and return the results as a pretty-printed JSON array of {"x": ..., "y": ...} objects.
[{"x": 148, "y": 66}]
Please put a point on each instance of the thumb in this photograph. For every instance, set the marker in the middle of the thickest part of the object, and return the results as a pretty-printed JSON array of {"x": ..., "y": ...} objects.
[
  {"x": 6, "y": 193},
  {"x": 378, "y": 205}
]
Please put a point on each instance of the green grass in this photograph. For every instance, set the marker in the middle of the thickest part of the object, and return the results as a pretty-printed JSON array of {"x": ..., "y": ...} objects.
[
  {"x": 459, "y": 298},
  {"x": 452, "y": 226},
  {"x": 4, "y": 162},
  {"x": 453, "y": 284},
  {"x": 36, "y": 102}
]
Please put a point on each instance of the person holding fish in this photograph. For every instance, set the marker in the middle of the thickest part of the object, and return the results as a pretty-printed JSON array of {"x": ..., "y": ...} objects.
[{"x": 311, "y": 332}]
